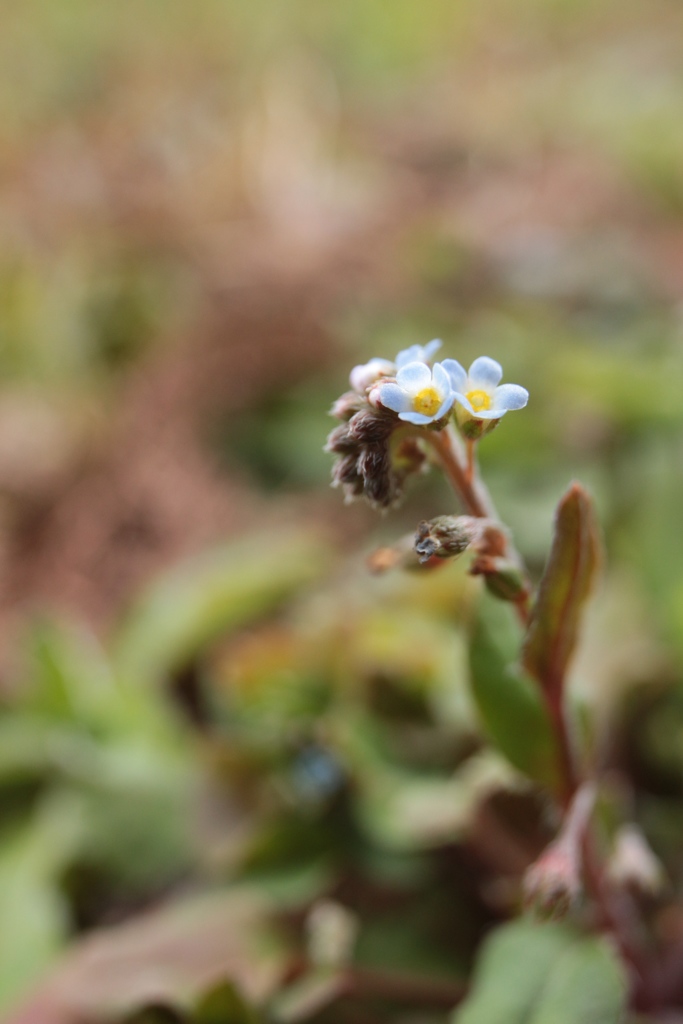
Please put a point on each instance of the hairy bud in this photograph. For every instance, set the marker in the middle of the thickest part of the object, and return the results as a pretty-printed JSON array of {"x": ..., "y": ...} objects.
[
  {"x": 369, "y": 465},
  {"x": 552, "y": 885},
  {"x": 443, "y": 537},
  {"x": 447, "y": 536},
  {"x": 347, "y": 405}
]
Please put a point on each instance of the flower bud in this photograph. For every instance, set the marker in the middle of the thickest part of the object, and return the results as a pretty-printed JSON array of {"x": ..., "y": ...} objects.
[
  {"x": 347, "y": 405},
  {"x": 633, "y": 865},
  {"x": 443, "y": 537},
  {"x": 332, "y": 932},
  {"x": 503, "y": 578},
  {"x": 471, "y": 427},
  {"x": 365, "y": 375},
  {"x": 552, "y": 884}
]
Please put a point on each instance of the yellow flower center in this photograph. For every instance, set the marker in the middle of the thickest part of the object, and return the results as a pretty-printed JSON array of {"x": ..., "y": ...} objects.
[
  {"x": 479, "y": 400},
  {"x": 427, "y": 402}
]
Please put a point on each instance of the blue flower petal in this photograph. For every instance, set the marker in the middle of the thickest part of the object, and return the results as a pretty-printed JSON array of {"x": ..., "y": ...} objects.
[
  {"x": 414, "y": 377},
  {"x": 456, "y": 372},
  {"x": 465, "y": 402},
  {"x": 418, "y": 353},
  {"x": 393, "y": 397},
  {"x": 418, "y": 418},
  {"x": 510, "y": 396},
  {"x": 442, "y": 381},
  {"x": 489, "y": 414},
  {"x": 409, "y": 355},
  {"x": 445, "y": 406},
  {"x": 484, "y": 374},
  {"x": 431, "y": 348}
]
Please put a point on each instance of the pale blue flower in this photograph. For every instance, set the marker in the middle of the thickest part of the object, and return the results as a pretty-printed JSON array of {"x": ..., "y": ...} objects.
[
  {"x": 418, "y": 353},
  {"x": 479, "y": 393},
  {"x": 420, "y": 395}
]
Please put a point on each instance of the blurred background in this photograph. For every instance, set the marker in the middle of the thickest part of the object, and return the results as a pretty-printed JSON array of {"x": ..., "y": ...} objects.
[{"x": 210, "y": 212}]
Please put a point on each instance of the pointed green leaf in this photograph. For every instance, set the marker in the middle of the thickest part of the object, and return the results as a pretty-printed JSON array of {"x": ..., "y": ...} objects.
[
  {"x": 531, "y": 973},
  {"x": 509, "y": 703},
  {"x": 567, "y": 582}
]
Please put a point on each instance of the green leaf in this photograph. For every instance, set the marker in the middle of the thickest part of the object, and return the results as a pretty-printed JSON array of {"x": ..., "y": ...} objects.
[
  {"x": 219, "y": 591},
  {"x": 567, "y": 582},
  {"x": 32, "y": 910},
  {"x": 587, "y": 986},
  {"x": 509, "y": 703},
  {"x": 530, "y": 973},
  {"x": 69, "y": 674},
  {"x": 224, "y": 1005},
  {"x": 511, "y": 971}
]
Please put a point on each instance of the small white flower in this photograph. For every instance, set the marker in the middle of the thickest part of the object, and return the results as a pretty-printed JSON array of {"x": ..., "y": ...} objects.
[
  {"x": 418, "y": 353},
  {"x": 479, "y": 394},
  {"x": 365, "y": 375},
  {"x": 419, "y": 395}
]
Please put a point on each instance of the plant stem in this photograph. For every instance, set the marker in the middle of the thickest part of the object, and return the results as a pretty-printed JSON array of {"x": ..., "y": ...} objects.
[
  {"x": 460, "y": 468},
  {"x": 471, "y": 450},
  {"x": 576, "y": 796},
  {"x": 471, "y": 492}
]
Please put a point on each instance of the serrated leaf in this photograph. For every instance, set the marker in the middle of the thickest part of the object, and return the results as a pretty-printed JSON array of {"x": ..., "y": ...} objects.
[
  {"x": 567, "y": 582},
  {"x": 509, "y": 704},
  {"x": 531, "y": 973}
]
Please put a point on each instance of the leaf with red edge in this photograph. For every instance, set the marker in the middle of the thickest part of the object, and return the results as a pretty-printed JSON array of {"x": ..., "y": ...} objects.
[{"x": 568, "y": 580}]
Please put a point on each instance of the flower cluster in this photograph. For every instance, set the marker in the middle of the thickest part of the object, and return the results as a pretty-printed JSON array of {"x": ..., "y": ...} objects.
[
  {"x": 411, "y": 390},
  {"x": 425, "y": 395}
]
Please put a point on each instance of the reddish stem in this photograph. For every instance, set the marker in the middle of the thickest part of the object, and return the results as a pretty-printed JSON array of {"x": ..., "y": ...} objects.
[{"x": 461, "y": 469}]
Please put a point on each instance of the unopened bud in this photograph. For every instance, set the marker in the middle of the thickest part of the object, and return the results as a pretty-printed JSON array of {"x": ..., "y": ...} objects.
[
  {"x": 503, "y": 578},
  {"x": 446, "y": 536},
  {"x": 371, "y": 426},
  {"x": 633, "y": 865},
  {"x": 471, "y": 427},
  {"x": 552, "y": 884},
  {"x": 363, "y": 376},
  {"x": 347, "y": 405},
  {"x": 332, "y": 932}
]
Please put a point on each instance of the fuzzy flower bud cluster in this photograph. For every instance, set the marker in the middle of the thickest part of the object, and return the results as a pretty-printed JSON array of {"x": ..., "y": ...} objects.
[{"x": 367, "y": 464}]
